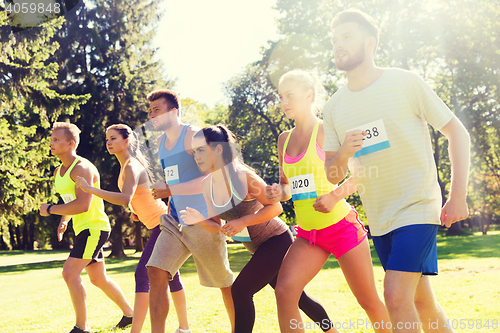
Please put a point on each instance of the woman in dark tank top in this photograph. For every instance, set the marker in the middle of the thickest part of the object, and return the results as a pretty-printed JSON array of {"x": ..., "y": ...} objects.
[{"x": 235, "y": 193}]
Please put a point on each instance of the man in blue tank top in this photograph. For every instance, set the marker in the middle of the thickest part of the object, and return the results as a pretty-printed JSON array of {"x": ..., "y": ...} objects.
[{"x": 178, "y": 241}]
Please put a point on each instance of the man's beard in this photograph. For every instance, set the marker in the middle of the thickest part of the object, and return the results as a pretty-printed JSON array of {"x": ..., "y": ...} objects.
[
  {"x": 353, "y": 62},
  {"x": 162, "y": 125}
]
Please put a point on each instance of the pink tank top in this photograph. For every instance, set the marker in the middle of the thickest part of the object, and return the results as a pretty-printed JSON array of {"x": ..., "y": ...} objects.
[{"x": 143, "y": 204}]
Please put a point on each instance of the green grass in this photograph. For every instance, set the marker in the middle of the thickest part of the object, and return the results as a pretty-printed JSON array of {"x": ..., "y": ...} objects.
[{"x": 34, "y": 297}]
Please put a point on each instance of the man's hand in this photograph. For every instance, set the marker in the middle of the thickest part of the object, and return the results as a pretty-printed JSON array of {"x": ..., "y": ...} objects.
[
  {"x": 134, "y": 217},
  {"x": 352, "y": 143},
  {"x": 160, "y": 190},
  {"x": 454, "y": 211},
  {"x": 274, "y": 193},
  {"x": 43, "y": 209}
]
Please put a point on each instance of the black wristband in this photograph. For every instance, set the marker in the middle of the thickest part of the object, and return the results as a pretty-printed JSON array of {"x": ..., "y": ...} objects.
[{"x": 48, "y": 210}]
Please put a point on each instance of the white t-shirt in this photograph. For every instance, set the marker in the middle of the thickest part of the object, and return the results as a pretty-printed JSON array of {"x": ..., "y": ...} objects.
[{"x": 395, "y": 172}]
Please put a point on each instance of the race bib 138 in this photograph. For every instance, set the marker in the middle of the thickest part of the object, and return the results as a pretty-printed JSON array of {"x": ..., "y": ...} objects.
[{"x": 376, "y": 140}]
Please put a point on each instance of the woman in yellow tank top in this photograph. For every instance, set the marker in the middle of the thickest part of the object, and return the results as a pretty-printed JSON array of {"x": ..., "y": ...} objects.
[
  {"x": 327, "y": 223},
  {"x": 133, "y": 183}
]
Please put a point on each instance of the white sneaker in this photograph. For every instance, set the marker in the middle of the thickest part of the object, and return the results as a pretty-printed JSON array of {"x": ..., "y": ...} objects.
[{"x": 179, "y": 330}]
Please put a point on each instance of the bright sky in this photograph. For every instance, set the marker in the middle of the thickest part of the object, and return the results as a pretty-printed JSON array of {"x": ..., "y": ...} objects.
[{"x": 203, "y": 44}]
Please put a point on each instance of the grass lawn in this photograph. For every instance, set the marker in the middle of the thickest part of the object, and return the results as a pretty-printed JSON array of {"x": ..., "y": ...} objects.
[{"x": 34, "y": 297}]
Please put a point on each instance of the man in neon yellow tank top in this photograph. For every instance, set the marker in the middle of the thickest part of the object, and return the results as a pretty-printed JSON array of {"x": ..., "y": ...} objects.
[{"x": 90, "y": 223}]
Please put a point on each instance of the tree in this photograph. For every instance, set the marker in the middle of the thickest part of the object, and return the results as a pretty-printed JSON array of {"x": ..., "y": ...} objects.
[
  {"x": 27, "y": 107},
  {"x": 106, "y": 52}
]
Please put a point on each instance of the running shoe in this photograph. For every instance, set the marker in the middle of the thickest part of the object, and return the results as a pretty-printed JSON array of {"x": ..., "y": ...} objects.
[
  {"x": 124, "y": 322},
  {"x": 180, "y": 330},
  {"x": 77, "y": 329}
]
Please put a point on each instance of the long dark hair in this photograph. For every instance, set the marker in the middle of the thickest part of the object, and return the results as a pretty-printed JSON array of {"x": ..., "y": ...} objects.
[
  {"x": 133, "y": 144},
  {"x": 221, "y": 135}
]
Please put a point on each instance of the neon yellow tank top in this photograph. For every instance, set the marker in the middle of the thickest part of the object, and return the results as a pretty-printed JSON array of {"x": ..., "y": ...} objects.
[
  {"x": 307, "y": 179},
  {"x": 95, "y": 217}
]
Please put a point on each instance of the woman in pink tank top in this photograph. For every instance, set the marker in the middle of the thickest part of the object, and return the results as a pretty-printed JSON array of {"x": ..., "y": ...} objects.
[
  {"x": 134, "y": 183},
  {"x": 327, "y": 225}
]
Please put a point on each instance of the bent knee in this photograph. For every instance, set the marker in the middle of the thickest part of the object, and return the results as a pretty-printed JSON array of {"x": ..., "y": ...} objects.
[
  {"x": 157, "y": 276},
  {"x": 69, "y": 274},
  {"x": 394, "y": 300},
  {"x": 98, "y": 281},
  {"x": 285, "y": 292},
  {"x": 424, "y": 306},
  {"x": 241, "y": 290}
]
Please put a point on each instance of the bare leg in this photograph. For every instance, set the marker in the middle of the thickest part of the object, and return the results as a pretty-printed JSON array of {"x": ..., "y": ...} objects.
[
  {"x": 428, "y": 308},
  {"x": 98, "y": 277},
  {"x": 357, "y": 267},
  {"x": 180, "y": 304},
  {"x": 301, "y": 264},
  {"x": 228, "y": 302},
  {"x": 141, "y": 305},
  {"x": 399, "y": 294},
  {"x": 71, "y": 274},
  {"x": 159, "y": 300}
]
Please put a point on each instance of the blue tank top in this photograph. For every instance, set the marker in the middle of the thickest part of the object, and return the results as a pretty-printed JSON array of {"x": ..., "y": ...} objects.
[{"x": 180, "y": 167}]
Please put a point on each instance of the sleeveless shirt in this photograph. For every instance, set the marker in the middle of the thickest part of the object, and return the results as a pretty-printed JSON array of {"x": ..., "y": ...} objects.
[
  {"x": 236, "y": 208},
  {"x": 95, "y": 217},
  {"x": 180, "y": 167},
  {"x": 143, "y": 204},
  {"x": 307, "y": 178}
]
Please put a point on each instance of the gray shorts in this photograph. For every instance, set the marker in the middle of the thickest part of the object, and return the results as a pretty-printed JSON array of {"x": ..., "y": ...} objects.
[{"x": 176, "y": 243}]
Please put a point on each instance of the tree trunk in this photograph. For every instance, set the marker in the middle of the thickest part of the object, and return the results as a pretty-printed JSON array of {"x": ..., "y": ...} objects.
[
  {"x": 25, "y": 234},
  {"x": 12, "y": 235},
  {"x": 139, "y": 245},
  {"x": 455, "y": 229},
  {"x": 18, "y": 238},
  {"x": 435, "y": 138},
  {"x": 3, "y": 245},
  {"x": 485, "y": 224},
  {"x": 32, "y": 233},
  {"x": 117, "y": 248}
]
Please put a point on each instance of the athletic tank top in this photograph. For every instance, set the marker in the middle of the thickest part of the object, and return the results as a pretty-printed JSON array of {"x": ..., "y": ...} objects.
[
  {"x": 307, "y": 179},
  {"x": 180, "y": 167},
  {"x": 95, "y": 217},
  {"x": 253, "y": 235},
  {"x": 143, "y": 204}
]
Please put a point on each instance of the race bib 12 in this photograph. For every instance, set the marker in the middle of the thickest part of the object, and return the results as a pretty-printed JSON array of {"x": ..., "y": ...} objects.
[
  {"x": 172, "y": 174},
  {"x": 376, "y": 140}
]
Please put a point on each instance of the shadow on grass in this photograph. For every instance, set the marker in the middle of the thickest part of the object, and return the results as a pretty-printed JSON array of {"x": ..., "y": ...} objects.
[
  {"x": 129, "y": 265},
  {"x": 33, "y": 266},
  {"x": 449, "y": 247},
  {"x": 12, "y": 253}
]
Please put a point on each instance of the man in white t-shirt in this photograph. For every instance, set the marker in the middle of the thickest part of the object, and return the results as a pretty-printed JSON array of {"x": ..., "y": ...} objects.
[{"x": 377, "y": 126}]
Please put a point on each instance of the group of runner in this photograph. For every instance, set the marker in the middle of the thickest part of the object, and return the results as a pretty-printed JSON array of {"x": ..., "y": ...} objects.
[{"x": 377, "y": 121}]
